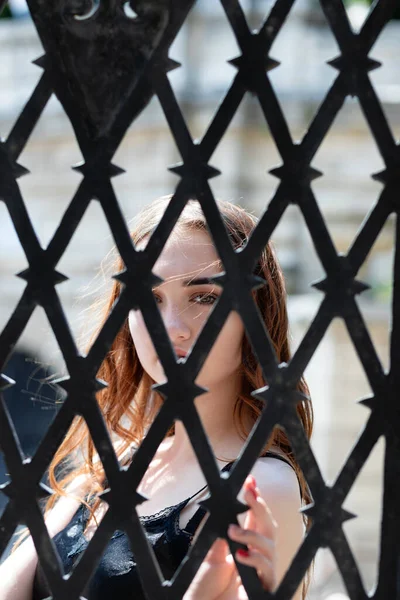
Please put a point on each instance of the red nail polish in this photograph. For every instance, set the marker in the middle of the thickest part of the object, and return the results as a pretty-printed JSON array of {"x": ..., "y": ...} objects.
[
  {"x": 252, "y": 481},
  {"x": 242, "y": 552},
  {"x": 254, "y": 492},
  {"x": 251, "y": 486}
]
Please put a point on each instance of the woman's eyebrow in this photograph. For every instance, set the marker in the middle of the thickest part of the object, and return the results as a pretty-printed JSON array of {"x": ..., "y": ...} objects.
[
  {"x": 199, "y": 281},
  {"x": 190, "y": 282}
]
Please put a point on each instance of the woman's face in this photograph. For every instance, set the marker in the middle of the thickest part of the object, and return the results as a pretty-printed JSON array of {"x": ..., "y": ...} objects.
[{"x": 185, "y": 306}]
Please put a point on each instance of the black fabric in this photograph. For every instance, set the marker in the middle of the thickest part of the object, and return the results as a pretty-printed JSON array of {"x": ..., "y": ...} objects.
[{"x": 116, "y": 574}]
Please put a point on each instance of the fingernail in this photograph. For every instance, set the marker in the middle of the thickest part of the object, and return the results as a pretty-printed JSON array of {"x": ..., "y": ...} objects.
[
  {"x": 243, "y": 553},
  {"x": 253, "y": 492},
  {"x": 252, "y": 481},
  {"x": 233, "y": 529}
]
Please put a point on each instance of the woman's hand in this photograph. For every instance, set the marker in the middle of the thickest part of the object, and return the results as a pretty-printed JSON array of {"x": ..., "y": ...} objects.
[{"x": 218, "y": 578}]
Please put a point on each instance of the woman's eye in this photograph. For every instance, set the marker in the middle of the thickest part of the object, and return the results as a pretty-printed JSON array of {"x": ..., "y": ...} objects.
[
  {"x": 205, "y": 298},
  {"x": 201, "y": 298},
  {"x": 157, "y": 298}
]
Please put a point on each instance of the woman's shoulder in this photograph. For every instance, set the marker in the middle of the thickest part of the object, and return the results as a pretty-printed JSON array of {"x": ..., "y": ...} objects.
[
  {"x": 66, "y": 506},
  {"x": 276, "y": 477}
]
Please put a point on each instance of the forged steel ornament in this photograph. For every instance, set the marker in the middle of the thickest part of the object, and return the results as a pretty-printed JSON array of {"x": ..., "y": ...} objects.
[
  {"x": 104, "y": 61},
  {"x": 98, "y": 54}
]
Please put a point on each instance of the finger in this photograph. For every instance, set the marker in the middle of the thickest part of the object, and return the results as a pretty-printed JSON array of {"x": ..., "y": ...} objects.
[
  {"x": 264, "y": 567},
  {"x": 260, "y": 516},
  {"x": 252, "y": 538},
  {"x": 213, "y": 575},
  {"x": 250, "y": 521},
  {"x": 236, "y": 591},
  {"x": 218, "y": 552}
]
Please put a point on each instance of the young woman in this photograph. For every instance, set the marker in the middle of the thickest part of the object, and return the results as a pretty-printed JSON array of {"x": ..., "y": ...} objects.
[{"x": 272, "y": 528}]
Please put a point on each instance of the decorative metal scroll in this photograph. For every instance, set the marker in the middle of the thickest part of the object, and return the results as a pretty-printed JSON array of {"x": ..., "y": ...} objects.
[{"x": 102, "y": 93}]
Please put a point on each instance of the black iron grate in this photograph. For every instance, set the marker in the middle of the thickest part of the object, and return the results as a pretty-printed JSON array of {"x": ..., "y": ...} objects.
[{"x": 102, "y": 93}]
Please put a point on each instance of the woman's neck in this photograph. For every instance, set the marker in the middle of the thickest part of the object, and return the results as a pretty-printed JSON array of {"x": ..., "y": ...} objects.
[{"x": 215, "y": 410}]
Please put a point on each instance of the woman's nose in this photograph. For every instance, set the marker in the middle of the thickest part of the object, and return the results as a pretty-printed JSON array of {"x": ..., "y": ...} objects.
[{"x": 176, "y": 325}]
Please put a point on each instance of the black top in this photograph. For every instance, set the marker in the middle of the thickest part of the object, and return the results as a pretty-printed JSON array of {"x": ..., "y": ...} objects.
[{"x": 116, "y": 574}]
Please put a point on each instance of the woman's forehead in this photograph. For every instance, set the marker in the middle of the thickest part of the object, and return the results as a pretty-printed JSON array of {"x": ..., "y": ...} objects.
[{"x": 188, "y": 255}]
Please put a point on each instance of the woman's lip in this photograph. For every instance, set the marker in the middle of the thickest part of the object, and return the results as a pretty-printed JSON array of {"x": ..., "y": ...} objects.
[{"x": 180, "y": 353}]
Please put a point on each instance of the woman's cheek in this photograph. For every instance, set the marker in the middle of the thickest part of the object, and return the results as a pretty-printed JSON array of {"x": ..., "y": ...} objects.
[
  {"x": 227, "y": 350},
  {"x": 232, "y": 334},
  {"x": 140, "y": 336}
]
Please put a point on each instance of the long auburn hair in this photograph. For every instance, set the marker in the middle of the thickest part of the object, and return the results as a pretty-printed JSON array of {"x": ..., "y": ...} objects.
[{"x": 125, "y": 402}]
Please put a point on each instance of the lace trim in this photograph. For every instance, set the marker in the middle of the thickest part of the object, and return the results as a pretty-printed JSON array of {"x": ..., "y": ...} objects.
[
  {"x": 85, "y": 513},
  {"x": 161, "y": 513}
]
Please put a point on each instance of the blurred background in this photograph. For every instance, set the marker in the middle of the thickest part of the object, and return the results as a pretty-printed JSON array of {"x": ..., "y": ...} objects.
[{"x": 346, "y": 193}]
